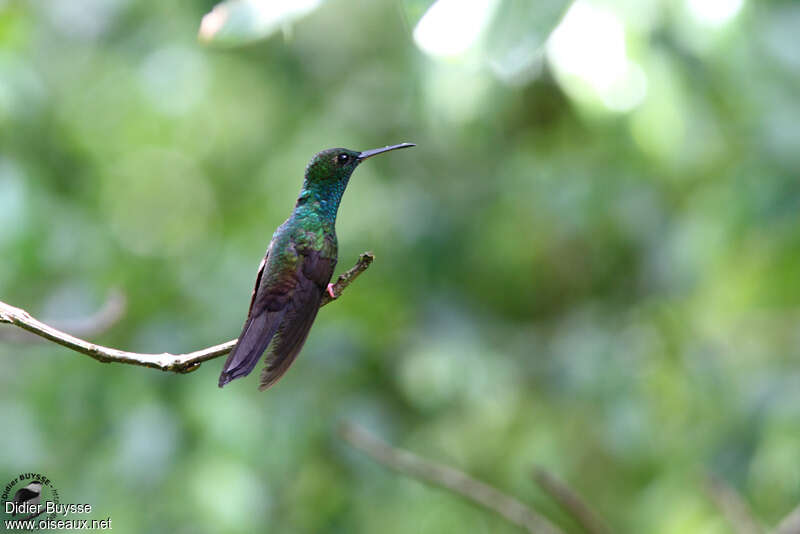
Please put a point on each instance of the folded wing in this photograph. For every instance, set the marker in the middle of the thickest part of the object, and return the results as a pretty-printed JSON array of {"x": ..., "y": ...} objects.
[
  {"x": 300, "y": 311},
  {"x": 283, "y": 307}
]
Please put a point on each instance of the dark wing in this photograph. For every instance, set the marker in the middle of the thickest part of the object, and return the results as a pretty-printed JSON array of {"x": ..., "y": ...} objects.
[
  {"x": 313, "y": 274},
  {"x": 262, "y": 322}
]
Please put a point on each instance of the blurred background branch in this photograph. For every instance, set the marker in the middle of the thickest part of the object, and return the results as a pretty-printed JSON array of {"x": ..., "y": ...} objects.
[
  {"x": 111, "y": 312},
  {"x": 732, "y": 506},
  {"x": 790, "y": 524},
  {"x": 730, "y": 503},
  {"x": 411, "y": 465},
  {"x": 572, "y": 503}
]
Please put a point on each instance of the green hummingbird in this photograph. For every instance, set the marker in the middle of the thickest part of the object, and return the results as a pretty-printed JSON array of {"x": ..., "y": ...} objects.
[{"x": 296, "y": 270}]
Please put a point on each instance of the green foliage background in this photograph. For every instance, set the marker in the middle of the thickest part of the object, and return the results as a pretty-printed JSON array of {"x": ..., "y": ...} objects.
[{"x": 613, "y": 296}]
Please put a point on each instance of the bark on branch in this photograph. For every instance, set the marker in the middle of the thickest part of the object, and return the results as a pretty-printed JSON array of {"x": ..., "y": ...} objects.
[{"x": 177, "y": 363}]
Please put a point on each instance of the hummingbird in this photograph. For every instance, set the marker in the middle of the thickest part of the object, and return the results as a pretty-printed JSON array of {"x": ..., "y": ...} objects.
[{"x": 296, "y": 270}]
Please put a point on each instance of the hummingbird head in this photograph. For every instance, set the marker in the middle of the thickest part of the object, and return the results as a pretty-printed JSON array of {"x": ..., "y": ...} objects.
[
  {"x": 329, "y": 171},
  {"x": 331, "y": 166},
  {"x": 337, "y": 164}
]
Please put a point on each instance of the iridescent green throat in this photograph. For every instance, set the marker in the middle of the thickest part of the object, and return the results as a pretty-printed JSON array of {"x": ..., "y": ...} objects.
[{"x": 321, "y": 198}]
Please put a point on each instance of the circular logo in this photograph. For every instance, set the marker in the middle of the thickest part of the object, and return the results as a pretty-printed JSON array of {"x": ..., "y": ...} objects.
[{"x": 28, "y": 499}]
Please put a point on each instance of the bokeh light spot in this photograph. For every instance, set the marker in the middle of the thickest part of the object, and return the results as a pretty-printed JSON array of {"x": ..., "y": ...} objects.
[
  {"x": 242, "y": 21},
  {"x": 450, "y": 27},
  {"x": 714, "y": 12},
  {"x": 588, "y": 51}
]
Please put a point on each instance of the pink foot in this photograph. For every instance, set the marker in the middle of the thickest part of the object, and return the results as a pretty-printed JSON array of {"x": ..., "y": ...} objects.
[{"x": 330, "y": 291}]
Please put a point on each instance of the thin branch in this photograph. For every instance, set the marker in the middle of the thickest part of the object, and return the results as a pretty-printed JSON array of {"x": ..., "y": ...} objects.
[
  {"x": 789, "y": 524},
  {"x": 177, "y": 363},
  {"x": 109, "y": 314},
  {"x": 348, "y": 277},
  {"x": 570, "y": 502},
  {"x": 451, "y": 479},
  {"x": 733, "y": 506}
]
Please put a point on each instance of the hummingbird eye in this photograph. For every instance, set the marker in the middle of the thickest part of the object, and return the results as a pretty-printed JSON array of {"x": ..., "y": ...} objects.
[{"x": 342, "y": 158}]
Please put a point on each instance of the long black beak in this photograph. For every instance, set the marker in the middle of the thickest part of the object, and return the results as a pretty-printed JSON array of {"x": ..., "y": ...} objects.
[{"x": 375, "y": 151}]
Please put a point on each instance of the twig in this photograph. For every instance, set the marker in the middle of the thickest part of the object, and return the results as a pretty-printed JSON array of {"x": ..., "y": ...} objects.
[
  {"x": 732, "y": 506},
  {"x": 570, "y": 502},
  {"x": 473, "y": 490},
  {"x": 178, "y": 363},
  {"x": 348, "y": 277},
  {"x": 789, "y": 524},
  {"x": 109, "y": 314}
]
